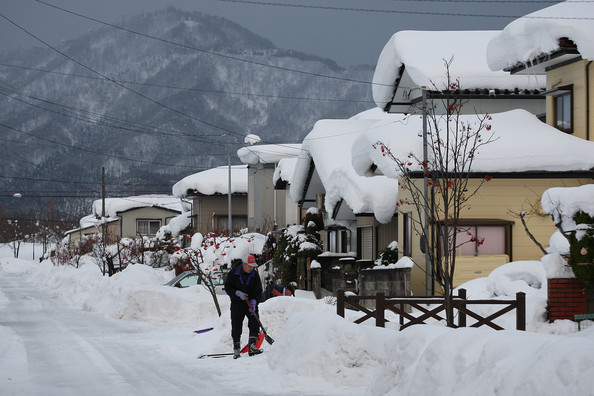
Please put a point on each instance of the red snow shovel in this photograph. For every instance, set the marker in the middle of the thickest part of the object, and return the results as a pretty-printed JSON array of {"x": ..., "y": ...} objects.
[
  {"x": 266, "y": 336},
  {"x": 259, "y": 342}
]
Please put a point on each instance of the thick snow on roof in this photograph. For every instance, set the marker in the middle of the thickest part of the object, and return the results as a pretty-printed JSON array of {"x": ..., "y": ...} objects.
[
  {"x": 562, "y": 203},
  {"x": 214, "y": 181},
  {"x": 91, "y": 221},
  {"x": 267, "y": 153},
  {"x": 329, "y": 146},
  {"x": 523, "y": 143},
  {"x": 423, "y": 54},
  {"x": 539, "y": 32},
  {"x": 284, "y": 171},
  {"x": 115, "y": 205}
]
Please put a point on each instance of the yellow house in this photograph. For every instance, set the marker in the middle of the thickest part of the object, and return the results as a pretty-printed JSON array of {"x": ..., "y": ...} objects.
[
  {"x": 527, "y": 158},
  {"x": 556, "y": 42}
]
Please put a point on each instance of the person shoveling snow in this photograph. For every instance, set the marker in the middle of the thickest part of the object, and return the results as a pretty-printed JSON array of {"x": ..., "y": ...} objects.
[{"x": 244, "y": 288}]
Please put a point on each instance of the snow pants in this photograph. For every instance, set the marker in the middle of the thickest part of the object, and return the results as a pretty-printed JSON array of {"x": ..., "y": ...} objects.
[{"x": 239, "y": 310}]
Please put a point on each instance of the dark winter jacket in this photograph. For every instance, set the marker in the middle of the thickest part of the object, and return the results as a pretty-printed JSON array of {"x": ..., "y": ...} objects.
[{"x": 248, "y": 283}]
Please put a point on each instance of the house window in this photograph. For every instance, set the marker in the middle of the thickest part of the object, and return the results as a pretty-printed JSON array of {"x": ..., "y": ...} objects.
[
  {"x": 562, "y": 109},
  {"x": 147, "y": 226},
  {"x": 339, "y": 240},
  {"x": 482, "y": 238}
]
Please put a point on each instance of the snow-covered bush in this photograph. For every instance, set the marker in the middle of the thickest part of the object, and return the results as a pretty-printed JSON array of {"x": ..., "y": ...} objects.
[
  {"x": 389, "y": 255},
  {"x": 572, "y": 210},
  {"x": 294, "y": 243}
]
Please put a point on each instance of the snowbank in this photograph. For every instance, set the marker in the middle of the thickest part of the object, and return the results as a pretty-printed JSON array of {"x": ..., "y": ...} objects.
[{"x": 317, "y": 352}]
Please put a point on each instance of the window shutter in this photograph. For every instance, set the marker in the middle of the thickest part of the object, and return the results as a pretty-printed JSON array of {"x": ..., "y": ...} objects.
[{"x": 367, "y": 243}]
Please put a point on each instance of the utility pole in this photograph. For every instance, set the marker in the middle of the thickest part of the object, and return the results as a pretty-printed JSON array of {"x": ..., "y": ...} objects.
[
  {"x": 103, "y": 228},
  {"x": 229, "y": 223},
  {"x": 426, "y": 193}
]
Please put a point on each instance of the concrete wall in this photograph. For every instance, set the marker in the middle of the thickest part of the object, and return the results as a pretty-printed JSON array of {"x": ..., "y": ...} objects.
[{"x": 393, "y": 282}]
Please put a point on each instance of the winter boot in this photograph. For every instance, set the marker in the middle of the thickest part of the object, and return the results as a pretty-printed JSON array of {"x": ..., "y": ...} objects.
[
  {"x": 253, "y": 349},
  {"x": 236, "y": 350}
]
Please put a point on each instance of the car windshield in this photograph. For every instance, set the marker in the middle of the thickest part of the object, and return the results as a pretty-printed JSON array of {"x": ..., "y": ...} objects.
[{"x": 185, "y": 279}]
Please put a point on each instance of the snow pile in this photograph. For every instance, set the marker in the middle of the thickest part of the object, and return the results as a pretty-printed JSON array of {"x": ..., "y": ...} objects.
[
  {"x": 350, "y": 354},
  {"x": 431, "y": 360},
  {"x": 317, "y": 352},
  {"x": 562, "y": 203}
]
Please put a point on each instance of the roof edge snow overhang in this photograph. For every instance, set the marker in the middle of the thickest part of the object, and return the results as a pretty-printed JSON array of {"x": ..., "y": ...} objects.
[
  {"x": 149, "y": 206},
  {"x": 466, "y": 94},
  {"x": 586, "y": 174},
  {"x": 545, "y": 62},
  {"x": 193, "y": 193}
]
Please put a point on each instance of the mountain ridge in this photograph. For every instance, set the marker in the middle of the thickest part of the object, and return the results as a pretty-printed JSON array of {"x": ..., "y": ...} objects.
[{"x": 172, "y": 104}]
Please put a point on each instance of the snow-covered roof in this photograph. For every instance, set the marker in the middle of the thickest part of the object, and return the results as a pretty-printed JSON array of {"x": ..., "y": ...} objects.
[
  {"x": 523, "y": 144},
  {"x": 115, "y": 205},
  {"x": 538, "y": 34},
  {"x": 213, "y": 181},
  {"x": 267, "y": 153},
  {"x": 284, "y": 170},
  {"x": 329, "y": 146},
  {"x": 423, "y": 54}
]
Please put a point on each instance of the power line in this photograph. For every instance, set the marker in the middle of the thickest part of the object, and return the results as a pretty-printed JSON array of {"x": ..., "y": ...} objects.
[
  {"x": 92, "y": 151},
  {"x": 85, "y": 113},
  {"x": 114, "y": 81},
  {"x": 99, "y": 182},
  {"x": 227, "y": 56},
  {"x": 229, "y": 132},
  {"x": 383, "y": 11},
  {"x": 191, "y": 89}
]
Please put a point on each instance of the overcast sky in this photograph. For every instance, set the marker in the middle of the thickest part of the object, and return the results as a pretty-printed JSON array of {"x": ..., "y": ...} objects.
[{"x": 347, "y": 31}]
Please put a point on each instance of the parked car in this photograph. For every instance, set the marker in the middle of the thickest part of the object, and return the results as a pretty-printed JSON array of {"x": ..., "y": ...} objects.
[
  {"x": 192, "y": 277},
  {"x": 185, "y": 279}
]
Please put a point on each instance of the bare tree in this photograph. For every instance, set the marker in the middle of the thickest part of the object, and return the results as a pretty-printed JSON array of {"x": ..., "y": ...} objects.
[
  {"x": 195, "y": 257},
  {"x": 534, "y": 210},
  {"x": 452, "y": 142}
]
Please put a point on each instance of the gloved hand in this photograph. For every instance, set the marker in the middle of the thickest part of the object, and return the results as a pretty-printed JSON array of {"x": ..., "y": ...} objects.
[
  {"x": 241, "y": 295},
  {"x": 253, "y": 304}
]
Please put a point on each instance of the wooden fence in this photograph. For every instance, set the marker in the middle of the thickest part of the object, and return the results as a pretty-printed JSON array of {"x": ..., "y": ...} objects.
[{"x": 431, "y": 307}]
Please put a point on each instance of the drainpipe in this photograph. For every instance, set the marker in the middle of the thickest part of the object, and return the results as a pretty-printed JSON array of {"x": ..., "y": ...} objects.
[{"x": 588, "y": 100}]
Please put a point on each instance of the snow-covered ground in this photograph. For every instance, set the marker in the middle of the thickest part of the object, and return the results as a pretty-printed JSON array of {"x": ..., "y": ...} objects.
[{"x": 67, "y": 331}]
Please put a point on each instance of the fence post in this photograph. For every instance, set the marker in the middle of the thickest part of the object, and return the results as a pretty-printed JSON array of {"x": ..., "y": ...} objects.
[
  {"x": 521, "y": 311},
  {"x": 340, "y": 302},
  {"x": 380, "y": 306},
  {"x": 462, "y": 314}
]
